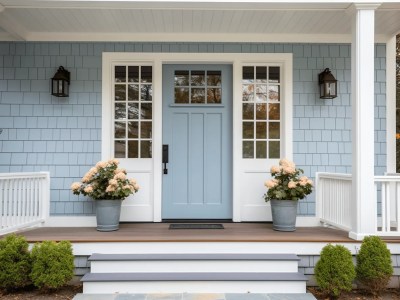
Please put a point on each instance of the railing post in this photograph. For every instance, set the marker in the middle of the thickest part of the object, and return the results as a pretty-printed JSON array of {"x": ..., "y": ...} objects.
[{"x": 45, "y": 213}]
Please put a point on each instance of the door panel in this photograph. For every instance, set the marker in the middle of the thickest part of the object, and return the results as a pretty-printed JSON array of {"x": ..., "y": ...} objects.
[{"x": 199, "y": 134}]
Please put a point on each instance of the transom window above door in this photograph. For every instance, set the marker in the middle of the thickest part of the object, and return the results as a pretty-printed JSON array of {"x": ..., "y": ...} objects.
[
  {"x": 261, "y": 111},
  {"x": 133, "y": 111},
  {"x": 197, "y": 87}
]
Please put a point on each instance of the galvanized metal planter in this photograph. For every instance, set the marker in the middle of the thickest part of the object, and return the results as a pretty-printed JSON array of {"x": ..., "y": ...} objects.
[
  {"x": 107, "y": 214},
  {"x": 284, "y": 213}
]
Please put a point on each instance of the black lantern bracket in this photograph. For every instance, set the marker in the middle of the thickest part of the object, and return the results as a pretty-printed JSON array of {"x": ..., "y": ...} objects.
[
  {"x": 327, "y": 85},
  {"x": 60, "y": 83}
]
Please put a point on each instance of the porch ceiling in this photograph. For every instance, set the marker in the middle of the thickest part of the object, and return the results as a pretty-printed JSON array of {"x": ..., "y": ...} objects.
[{"x": 258, "y": 20}]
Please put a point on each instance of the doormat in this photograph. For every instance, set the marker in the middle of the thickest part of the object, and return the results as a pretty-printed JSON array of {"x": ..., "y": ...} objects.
[{"x": 196, "y": 226}]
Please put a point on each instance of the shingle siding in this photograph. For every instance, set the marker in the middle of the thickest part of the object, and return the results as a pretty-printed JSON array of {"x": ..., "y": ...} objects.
[{"x": 63, "y": 135}]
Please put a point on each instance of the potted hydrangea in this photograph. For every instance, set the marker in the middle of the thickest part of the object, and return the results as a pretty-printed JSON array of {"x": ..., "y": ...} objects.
[
  {"x": 284, "y": 190},
  {"x": 108, "y": 185}
]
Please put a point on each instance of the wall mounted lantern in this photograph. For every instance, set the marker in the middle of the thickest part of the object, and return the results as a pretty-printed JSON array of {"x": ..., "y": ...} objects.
[
  {"x": 60, "y": 83},
  {"x": 327, "y": 85}
]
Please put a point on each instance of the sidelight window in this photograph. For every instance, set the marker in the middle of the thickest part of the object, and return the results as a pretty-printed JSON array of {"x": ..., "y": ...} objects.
[
  {"x": 133, "y": 111},
  {"x": 261, "y": 107}
]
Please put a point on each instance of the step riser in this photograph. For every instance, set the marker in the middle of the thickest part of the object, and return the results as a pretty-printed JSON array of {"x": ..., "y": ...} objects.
[
  {"x": 194, "y": 287},
  {"x": 192, "y": 266}
]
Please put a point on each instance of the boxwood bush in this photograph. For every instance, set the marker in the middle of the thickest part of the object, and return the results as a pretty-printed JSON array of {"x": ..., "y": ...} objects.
[
  {"x": 52, "y": 264},
  {"x": 374, "y": 265},
  {"x": 334, "y": 271},
  {"x": 15, "y": 262}
]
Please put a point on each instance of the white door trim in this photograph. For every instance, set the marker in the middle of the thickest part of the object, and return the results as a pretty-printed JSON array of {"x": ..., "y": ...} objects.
[{"x": 157, "y": 60}]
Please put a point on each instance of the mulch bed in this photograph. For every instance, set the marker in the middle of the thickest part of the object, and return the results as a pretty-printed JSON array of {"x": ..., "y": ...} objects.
[
  {"x": 66, "y": 293},
  {"x": 69, "y": 292},
  {"x": 388, "y": 294}
]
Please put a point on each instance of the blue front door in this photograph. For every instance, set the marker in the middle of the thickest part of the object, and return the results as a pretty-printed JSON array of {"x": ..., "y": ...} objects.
[{"x": 197, "y": 127}]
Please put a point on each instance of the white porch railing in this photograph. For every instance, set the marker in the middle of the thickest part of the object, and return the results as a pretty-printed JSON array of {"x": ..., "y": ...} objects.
[
  {"x": 24, "y": 200},
  {"x": 387, "y": 192},
  {"x": 334, "y": 198}
]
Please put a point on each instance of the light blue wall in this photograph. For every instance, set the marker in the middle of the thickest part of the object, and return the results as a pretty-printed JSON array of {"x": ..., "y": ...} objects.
[{"x": 63, "y": 135}]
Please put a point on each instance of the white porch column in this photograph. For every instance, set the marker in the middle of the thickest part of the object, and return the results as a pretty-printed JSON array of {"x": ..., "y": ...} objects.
[{"x": 363, "y": 207}]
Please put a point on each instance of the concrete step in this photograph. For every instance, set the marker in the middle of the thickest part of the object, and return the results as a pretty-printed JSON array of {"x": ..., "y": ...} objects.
[
  {"x": 256, "y": 282},
  {"x": 186, "y": 296},
  {"x": 152, "y": 263}
]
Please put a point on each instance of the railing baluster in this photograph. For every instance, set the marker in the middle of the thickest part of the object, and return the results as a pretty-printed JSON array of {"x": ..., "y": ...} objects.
[
  {"x": 22, "y": 200},
  {"x": 383, "y": 209},
  {"x": 388, "y": 205}
]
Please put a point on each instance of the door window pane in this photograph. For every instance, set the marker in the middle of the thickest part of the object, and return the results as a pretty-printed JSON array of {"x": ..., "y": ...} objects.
[
  {"x": 261, "y": 130},
  {"x": 133, "y": 149},
  {"x": 198, "y": 78},
  {"x": 133, "y": 111},
  {"x": 120, "y": 111},
  {"x": 214, "y": 95},
  {"x": 120, "y": 92},
  {"x": 120, "y": 74},
  {"x": 145, "y": 149},
  {"x": 273, "y": 93},
  {"x": 198, "y": 95},
  {"x": 147, "y": 74},
  {"x": 120, "y": 130},
  {"x": 145, "y": 130},
  {"x": 248, "y": 149},
  {"x": 146, "y": 92},
  {"x": 274, "y": 130},
  {"x": 248, "y": 111},
  {"x": 181, "y": 95},
  {"x": 119, "y": 149},
  {"x": 248, "y": 92},
  {"x": 248, "y": 74},
  {"x": 274, "y": 149},
  {"x": 274, "y": 74},
  {"x": 133, "y": 73},
  {"x": 214, "y": 78},
  {"x": 261, "y": 74},
  {"x": 133, "y": 92},
  {"x": 146, "y": 111},
  {"x": 261, "y": 149},
  {"x": 248, "y": 130},
  {"x": 274, "y": 111},
  {"x": 133, "y": 130},
  {"x": 181, "y": 78},
  {"x": 261, "y": 111}
]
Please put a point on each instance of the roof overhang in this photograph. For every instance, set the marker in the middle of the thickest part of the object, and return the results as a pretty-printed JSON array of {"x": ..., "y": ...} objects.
[{"x": 190, "y": 21}]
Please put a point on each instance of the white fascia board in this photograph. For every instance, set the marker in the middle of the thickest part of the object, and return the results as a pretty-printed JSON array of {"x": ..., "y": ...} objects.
[{"x": 192, "y": 37}]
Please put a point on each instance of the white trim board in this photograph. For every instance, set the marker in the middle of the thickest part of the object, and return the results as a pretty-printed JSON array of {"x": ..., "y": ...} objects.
[
  {"x": 303, "y": 248},
  {"x": 285, "y": 60},
  {"x": 391, "y": 105}
]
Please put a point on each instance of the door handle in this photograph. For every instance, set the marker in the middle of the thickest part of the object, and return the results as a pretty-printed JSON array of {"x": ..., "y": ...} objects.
[{"x": 165, "y": 155}]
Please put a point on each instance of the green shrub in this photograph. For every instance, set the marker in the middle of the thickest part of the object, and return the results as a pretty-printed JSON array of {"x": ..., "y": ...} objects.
[
  {"x": 335, "y": 270},
  {"x": 15, "y": 262},
  {"x": 374, "y": 265},
  {"x": 52, "y": 264}
]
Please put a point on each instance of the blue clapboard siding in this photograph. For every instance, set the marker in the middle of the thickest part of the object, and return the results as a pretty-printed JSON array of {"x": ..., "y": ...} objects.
[{"x": 63, "y": 135}]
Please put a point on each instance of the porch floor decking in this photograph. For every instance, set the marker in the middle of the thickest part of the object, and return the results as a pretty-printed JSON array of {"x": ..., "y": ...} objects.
[{"x": 159, "y": 232}]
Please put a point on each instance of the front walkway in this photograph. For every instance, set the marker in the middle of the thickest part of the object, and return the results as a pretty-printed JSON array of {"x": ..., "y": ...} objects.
[{"x": 186, "y": 296}]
